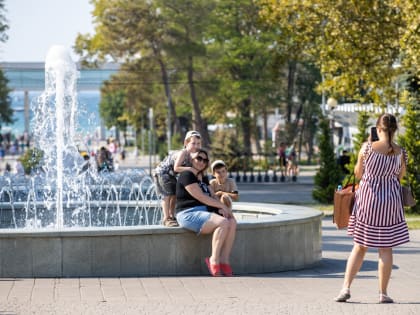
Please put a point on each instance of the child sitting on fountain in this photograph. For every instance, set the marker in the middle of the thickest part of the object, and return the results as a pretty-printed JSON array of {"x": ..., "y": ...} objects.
[
  {"x": 166, "y": 172},
  {"x": 223, "y": 187}
]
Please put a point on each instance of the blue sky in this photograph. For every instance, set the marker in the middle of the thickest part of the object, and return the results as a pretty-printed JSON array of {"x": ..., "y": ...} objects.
[{"x": 34, "y": 26}]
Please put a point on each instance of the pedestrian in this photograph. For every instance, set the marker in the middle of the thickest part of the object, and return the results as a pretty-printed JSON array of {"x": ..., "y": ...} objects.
[
  {"x": 343, "y": 161},
  {"x": 165, "y": 175},
  {"x": 377, "y": 219},
  {"x": 198, "y": 211},
  {"x": 292, "y": 166},
  {"x": 281, "y": 152}
]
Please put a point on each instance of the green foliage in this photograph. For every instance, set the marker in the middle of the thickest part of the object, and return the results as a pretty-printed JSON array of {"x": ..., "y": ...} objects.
[
  {"x": 226, "y": 147},
  {"x": 354, "y": 43},
  {"x": 410, "y": 140},
  {"x": 31, "y": 160},
  {"x": 244, "y": 59},
  {"x": 111, "y": 107},
  {"x": 3, "y": 23},
  {"x": 329, "y": 174},
  {"x": 6, "y": 111}
]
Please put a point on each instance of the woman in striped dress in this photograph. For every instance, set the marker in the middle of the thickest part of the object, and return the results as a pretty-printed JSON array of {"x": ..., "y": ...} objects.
[{"x": 378, "y": 219}]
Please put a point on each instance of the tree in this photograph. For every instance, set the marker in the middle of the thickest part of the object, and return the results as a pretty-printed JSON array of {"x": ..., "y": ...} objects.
[
  {"x": 133, "y": 33},
  {"x": 6, "y": 111},
  {"x": 187, "y": 21},
  {"x": 354, "y": 43},
  {"x": 111, "y": 108},
  {"x": 3, "y": 23},
  {"x": 329, "y": 174},
  {"x": 410, "y": 140},
  {"x": 248, "y": 83}
]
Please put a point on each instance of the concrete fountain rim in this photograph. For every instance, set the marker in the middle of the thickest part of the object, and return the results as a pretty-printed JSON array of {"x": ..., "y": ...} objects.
[{"x": 273, "y": 215}]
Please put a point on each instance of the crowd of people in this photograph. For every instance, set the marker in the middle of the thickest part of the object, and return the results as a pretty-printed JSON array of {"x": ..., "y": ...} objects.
[
  {"x": 12, "y": 146},
  {"x": 105, "y": 159}
]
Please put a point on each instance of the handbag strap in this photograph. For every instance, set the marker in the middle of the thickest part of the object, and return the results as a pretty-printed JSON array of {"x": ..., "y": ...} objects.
[
  {"x": 353, "y": 182},
  {"x": 404, "y": 159}
]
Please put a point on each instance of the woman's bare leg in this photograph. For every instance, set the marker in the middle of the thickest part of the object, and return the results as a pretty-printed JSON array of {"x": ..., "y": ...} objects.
[
  {"x": 220, "y": 228},
  {"x": 384, "y": 268},
  {"x": 354, "y": 263},
  {"x": 228, "y": 244}
]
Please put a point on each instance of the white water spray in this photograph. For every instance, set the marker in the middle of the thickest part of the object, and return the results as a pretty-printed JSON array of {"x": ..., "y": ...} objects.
[{"x": 60, "y": 97}]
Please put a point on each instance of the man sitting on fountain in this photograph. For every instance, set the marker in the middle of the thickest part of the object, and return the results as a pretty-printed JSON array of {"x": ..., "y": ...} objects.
[{"x": 198, "y": 211}]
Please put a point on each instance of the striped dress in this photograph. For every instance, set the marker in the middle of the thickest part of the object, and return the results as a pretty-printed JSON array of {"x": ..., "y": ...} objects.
[{"x": 378, "y": 218}]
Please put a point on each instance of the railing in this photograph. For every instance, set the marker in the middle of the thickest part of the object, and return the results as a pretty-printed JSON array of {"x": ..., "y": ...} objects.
[{"x": 257, "y": 168}]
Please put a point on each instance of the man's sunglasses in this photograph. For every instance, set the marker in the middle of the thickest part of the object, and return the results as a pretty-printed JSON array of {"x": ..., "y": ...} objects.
[{"x": 201, "y": 159}]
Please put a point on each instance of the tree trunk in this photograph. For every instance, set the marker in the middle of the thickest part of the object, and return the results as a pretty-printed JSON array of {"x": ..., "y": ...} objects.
[
  {"x": 171, "y": 107},
  {"x": 289, "y": 100},
  {"x": 245, "y": 110},
  {"x": 198, "y": 123}
]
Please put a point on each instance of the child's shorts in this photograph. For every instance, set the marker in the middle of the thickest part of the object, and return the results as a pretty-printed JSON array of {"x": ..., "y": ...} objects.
[
  {"x": 193, "y": 218},
  {"x": 165, "y": 184}
]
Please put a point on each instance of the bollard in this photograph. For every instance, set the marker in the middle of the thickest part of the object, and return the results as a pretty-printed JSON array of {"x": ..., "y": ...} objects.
[
  {"x": 259, "y": 177},
  {"x": 266, "y": 177},
  {"x": 238, "y": 177},
  {"x": 252, "y": 177},
  {"x": 274, "y": 177},
  {"x": 244, "y": 177}
]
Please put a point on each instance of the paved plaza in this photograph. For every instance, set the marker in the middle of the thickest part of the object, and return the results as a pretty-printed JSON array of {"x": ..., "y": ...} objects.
[{"x": 308, "y": 291}]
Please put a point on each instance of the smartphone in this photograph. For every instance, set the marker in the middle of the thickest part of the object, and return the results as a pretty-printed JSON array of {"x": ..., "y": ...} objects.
[{"x": 373, "y": 134}]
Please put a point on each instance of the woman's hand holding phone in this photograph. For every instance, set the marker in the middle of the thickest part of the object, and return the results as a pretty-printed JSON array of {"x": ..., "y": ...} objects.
[{"x": 373, "y": 134}]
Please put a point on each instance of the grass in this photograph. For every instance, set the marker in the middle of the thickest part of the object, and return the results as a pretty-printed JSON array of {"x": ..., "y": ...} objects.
[{"x": 413, "y": 220}]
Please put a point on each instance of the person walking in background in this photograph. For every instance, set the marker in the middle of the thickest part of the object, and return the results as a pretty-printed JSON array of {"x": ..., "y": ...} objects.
[
  {"x": 223, "y": 187},
  {"x": 292, "y": 167},
  {"x": 198, "y": 211},
  {"x": 377, "y": 220},
  {"x": 282, "y": 160},
  {"x": 165, "y": 175},
  {"x": 343, "y": 161}
]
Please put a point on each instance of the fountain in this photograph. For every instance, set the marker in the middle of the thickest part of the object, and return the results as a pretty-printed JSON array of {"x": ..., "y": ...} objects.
[
  {"x": 66, "y": 220},
  {"x": 63, "y": 194}
]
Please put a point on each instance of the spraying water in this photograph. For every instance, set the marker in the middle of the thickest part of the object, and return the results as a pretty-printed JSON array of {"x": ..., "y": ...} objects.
[{"x": 63, "y": 192}]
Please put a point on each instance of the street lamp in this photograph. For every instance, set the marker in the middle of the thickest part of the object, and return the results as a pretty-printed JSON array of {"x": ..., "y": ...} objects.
[
  {"x": 332, "y": 104},
  {"x": 396, "y": 65}
]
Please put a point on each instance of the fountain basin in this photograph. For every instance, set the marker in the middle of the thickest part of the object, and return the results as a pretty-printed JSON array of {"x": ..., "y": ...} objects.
[{"x": 270, "y": 238}]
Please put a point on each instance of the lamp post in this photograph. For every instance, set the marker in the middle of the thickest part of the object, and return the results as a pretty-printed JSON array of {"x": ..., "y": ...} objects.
[
  {"x": 332, "y": 104},
  {"x": 150, "y": 139},
  {"x": 396, "y": 65}
]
